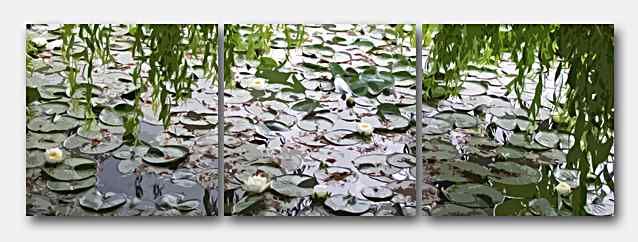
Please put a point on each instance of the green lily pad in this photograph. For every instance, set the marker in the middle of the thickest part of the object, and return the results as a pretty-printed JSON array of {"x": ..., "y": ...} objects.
[
  {"x": 460, "y": 120},
  {"x": 571, "y": 177},
  {"x": 307, "y": 105},
  {"x": 70, "y": 186},
  {"x": 473, "y": 195},
  {"x": 509, "y": 153},
  {"x": 100, "y": 146},
  {"x": 470, "y": 167},
  {"x": 246, "y": 203},
  {"x": 547, "y": 139},
  {"x": 72, "y": 169},
  {"x": 513, "y": 123},
  {"x": 541, "y": 207},
  {"x": 377, "y": 194},
  {"x": 128, "y": 166},
  {"x": 35, "y": 158},
  {"x": 294, "y": 185},
  {"x": 402, "y": 160},
  {"x": 52, "y": 124},
  {"x": 521, "y": 140},
  {"x": 515, "y": 174},
  {"x": 177, "y": 202},
  {"x": 472, "y": 89},
  {"x": 51, "y": 108},
  {"x": 164, "y": 155},
  {"x": 111, "y": 117},
  {"x": 44, "y": 141},
  {"x": 98, "y": 202},
  {"x": 456, "y": 210},
  {"x": 343, "y": 204},
  {"x": 315, "y": 123},
  {"x": 389, "y": 122},
  {"x": 599, "y": 206},
  {"x": 342, "y": 137},
  {"x": 77, "y": 111},
  {"x": 433, "y": 126}
]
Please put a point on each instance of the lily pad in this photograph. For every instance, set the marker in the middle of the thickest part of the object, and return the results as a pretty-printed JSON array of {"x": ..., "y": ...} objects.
[
  {"x": 521, "y": 140},
  {"x": 35, "y": 158},
  {"x": 456, "y": 210},
  {"x": 433, "y": 126},
  {"x": 541, "y": 207},
  {"x": 70, "y": 186},
  {"x": 547, "y": 139},
  {"x": 52, "y": 124},
  {"x": 342, "y": 137},
  {"x": 128, "y": 166},
  {"x": 101, "y": 146},
  {"x": 294, "y": 185},
  {"x": 246, "y": 203},
  {"x": 571, "y": 177},
  {"x": 51, "y": 108},
  {"x": 98, "y": 202},
  {"x": 111, "y": 117},
  {"x": 343, "y": 204},
  {"x": 515, "y": 174},
  {"x": 402, "y": 160},
  {"x": 72, "y": 169},
  {"x": 44, "y": 141},
  {"x": 460, "y": 120},
  {"x": 315, "y": 123},
  {"x": 473, "y": 195},
  {"x": 377, "y": 194},
  {"x": 165, "y": 155}
]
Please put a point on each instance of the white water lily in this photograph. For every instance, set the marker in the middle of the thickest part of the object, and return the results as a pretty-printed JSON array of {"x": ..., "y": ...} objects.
[
  {"x": 256, "y": 184},
  {"x": 54, "y": 155},
  {"x": 341, "y": 87},
  {"x": 39, "y": 42},
  {"x": 563, "y": 188},
  {"x": 365, "y": 129},
  {"x": 320, "y": 192},
  {"x": 257, "y": 84}
]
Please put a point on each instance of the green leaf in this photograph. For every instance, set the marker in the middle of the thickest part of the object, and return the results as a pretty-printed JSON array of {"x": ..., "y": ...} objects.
[{"x": 307, "y": 105}]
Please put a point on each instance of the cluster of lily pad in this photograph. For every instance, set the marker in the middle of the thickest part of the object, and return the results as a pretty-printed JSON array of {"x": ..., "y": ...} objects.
[
  {"x": 484, "y": 154},
  {"x": 70, "y": 155},
  {"x": 323, "y": 129}
]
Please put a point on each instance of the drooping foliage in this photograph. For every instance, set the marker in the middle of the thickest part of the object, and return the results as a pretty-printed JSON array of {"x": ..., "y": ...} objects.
[{"x": 580, "y": 56}]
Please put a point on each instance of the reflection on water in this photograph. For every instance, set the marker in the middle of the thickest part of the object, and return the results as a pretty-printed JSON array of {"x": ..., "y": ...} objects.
[{"x": 165, "y": 174}]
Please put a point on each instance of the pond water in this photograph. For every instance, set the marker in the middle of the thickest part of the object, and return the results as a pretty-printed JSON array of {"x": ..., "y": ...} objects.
[
  {"x": 291, "y": 126},
  {"x": 483, "y": 156},
  {"x": 172, "y": 171}
]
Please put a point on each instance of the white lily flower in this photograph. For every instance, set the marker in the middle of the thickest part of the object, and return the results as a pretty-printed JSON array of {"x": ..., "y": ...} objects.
[
  {"x": 320, "y": 192},
  {"x": 258, "y": 84},
  {"x": 256, "y": 184},
  {"x": 365, "y": 129},
  {"x": 342, "y": 87},
  {"x": 563, "y": 188},
  {"x": 54, "y": 155}
]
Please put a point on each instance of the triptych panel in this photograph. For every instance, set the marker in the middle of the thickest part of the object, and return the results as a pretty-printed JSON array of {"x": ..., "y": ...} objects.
[{"x": 319, "y": 120}]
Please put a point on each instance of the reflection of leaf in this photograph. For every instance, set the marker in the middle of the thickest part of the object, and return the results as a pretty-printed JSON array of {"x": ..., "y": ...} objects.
[
  {"x": 273, "y": 76},
  {"x": 267, "y": 63},
  {"x": 296, "y": 86},
  {"x": 32, "y": 94},
  {"x": 246, "y": 202},
  {"x": 307, "y": 105},
  {"x": 387, "y": 108},
  {"x": 541, "y": 207}
]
